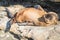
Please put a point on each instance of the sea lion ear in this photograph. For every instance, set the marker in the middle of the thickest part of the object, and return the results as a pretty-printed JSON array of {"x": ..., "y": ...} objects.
[{"x": 48, "y": 16}]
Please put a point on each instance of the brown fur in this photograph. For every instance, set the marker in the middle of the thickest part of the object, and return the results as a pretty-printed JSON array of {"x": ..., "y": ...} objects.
[
  {"x": 36, "y": 16},
  {"x": 50, "y": 18},
  {"x": 54, "y": 19},
  {"x": 29, "y": 15}
]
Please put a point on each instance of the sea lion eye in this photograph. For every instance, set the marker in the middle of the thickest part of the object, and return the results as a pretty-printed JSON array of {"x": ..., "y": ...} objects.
[
  {"x": 48, "y": 16},
  {"x": 41, "y": 19}
]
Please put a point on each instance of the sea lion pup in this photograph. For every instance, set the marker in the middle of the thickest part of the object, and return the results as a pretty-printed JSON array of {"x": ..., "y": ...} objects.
[
  {"x": 28, "y": 15},
  {"x": 50, "y": 18}
]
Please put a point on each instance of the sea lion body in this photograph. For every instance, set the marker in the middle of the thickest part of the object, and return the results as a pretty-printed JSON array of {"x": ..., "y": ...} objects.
[{"x": 29, "y": 14}]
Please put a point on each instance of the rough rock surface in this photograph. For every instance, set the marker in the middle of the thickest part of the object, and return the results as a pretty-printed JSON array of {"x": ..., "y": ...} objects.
[{"x": 26, "y": 32}]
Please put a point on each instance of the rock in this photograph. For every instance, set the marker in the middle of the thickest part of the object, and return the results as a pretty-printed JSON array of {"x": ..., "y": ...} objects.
[
  {"x": 14, "y": 29},
  {"x": 36, "y": 33},
  {"x": 54, "y": 35},
  {"x": 57, "y": 28},
  {"x": 2, "y": 8},
  {"x": 3, "y": 22},
  {"x": 3, "y": 14},
  {"x": 3, "y": 18},
  {"x": 6, "y": 36}
]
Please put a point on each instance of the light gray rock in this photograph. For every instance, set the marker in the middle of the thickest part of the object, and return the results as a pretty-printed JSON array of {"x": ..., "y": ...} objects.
[
  {"x": 39, "y": 33},
  {"x": 36, "y": 33},
  {"x": 57, "y": 28},
  {"x": 3, "y": 14},
  {"x": 2, "y": 8},
  {"x": 3, "y": 22},
  {"x": 14, "y": 8},
  {"x": 6, "y": 36},
  {"x": 54, "y": 35}
]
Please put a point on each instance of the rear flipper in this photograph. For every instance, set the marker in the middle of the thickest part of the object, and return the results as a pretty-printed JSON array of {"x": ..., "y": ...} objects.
[
  {"x": 10, "y": 22},
  {"x": 9, "y": 14},
  {"x": 8, "y": 25}
]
